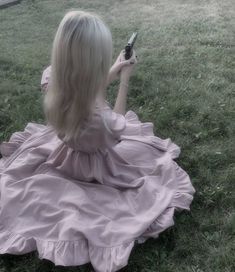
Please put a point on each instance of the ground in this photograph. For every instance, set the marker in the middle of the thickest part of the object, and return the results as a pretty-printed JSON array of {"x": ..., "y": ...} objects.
[{"x": 184, "y": 84}]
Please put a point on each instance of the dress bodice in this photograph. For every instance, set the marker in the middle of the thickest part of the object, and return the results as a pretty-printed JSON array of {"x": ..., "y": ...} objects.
[{"x": 102, "y": 131}]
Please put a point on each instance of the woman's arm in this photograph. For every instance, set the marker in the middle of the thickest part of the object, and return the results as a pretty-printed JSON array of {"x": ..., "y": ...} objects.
[
  {"x": 126, "y": 71},
  {"x": 120, "y": 104}
]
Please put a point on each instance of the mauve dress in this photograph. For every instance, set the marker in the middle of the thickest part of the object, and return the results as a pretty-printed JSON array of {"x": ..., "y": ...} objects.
[{"x": 92, "y": 200}]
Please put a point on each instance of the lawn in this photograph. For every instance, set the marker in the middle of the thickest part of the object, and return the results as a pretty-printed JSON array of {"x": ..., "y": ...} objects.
[{"x": 184, "y": 84}]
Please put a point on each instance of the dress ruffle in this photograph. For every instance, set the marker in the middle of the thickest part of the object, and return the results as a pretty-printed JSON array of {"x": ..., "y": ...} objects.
[
  {"x": 18, "y": 138},
  {"x": 104, "y": 256},
  {"x": 103, "y": 259},
  {"x": 143, "y": 132},
  {"x": 68, "y": 253}
]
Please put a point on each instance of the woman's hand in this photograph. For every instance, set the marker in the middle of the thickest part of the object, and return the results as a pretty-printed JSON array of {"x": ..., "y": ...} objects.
[
  {"x": 126, "y": 71},
  {"x": 118, "y": 65}
]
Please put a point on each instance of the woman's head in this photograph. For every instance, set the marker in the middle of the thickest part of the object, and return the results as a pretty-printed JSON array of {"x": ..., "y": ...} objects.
[{"x": 81, "y": 58}]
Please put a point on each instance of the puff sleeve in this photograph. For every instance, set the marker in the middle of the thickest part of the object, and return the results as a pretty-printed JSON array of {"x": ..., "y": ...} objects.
[
  {"x": 45, "y": 77},
  {"x": 115, "y": 123}
]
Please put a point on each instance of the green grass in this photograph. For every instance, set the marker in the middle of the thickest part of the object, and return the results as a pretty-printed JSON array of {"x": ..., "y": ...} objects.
[{"x": 184, "y": 84}]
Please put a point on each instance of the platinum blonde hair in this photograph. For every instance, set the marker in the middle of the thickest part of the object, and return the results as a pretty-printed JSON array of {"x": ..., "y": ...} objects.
[{"x": 81, "y": 58}]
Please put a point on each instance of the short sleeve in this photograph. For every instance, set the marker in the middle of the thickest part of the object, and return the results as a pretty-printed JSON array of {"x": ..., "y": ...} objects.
[
  {"x": 46, "y": 76},
  {"x": 114, "y": 122}
]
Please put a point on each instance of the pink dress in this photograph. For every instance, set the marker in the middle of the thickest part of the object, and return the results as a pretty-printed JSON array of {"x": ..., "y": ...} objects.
[{"x": 89, "y": 201}]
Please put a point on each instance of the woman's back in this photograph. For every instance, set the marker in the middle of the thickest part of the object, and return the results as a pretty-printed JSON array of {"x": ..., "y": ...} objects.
[{"x": 101, "y": 131}]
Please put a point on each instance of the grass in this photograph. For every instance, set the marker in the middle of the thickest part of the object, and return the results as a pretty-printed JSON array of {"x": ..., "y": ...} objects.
[{"x": 184, "y": 84}]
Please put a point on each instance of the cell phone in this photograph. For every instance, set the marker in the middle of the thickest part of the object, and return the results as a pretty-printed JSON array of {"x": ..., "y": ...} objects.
[{"x": 130, "y": 45}]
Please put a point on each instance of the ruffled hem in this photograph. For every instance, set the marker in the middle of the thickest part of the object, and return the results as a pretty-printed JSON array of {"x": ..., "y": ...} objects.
[
  {"x": 68, "y": 253},
  {"x": 103, "y": 259},
  {"x": 18, "y": 138},
  {"x": 143, "y": 132}
]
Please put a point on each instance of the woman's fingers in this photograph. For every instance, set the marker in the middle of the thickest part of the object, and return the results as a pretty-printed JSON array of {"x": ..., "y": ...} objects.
[
  {"x": 133, "y": 58},
  {"x": 122, "y": 55},
  {"x": 125, "y": 63},
  {"x": 122, "y": 62}
]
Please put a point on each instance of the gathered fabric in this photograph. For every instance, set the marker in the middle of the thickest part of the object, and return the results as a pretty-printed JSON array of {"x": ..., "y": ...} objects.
[{"x": 89, "y": 201}]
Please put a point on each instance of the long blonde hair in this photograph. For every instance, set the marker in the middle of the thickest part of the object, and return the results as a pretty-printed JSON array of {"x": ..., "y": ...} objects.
[{"x": 81, "y": 58}]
